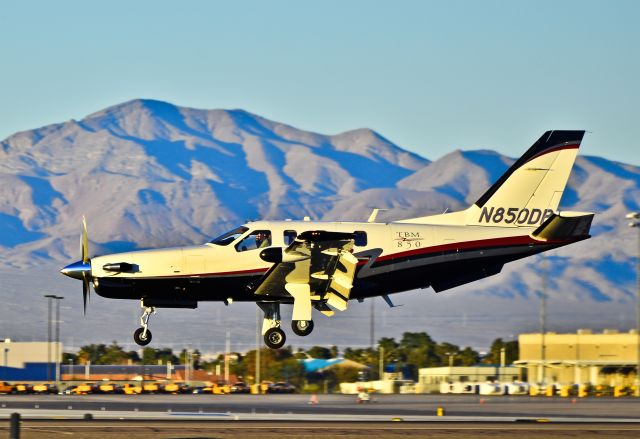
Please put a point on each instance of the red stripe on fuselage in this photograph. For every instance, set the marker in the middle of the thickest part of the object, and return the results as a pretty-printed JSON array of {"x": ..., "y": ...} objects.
[{"x": 464, "y": 245}]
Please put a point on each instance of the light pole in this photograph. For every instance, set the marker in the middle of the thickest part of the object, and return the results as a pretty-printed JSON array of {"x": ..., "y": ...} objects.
[
  {"x": 49, "y": 308},
  {"x": 635, "y": 217},
  {"x": 450, "y": 355},
  {"x": 58, "y": 299},
  {"x": 543, "y": 324},
  {"x": 258, "y": 346}
]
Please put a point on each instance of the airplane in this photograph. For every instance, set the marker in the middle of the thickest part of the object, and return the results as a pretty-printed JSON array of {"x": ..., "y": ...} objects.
[{"x": 317, "y": 265}]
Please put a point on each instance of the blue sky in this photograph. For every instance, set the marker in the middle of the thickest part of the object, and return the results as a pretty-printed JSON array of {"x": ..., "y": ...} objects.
[{"x": 430, "y": 76}]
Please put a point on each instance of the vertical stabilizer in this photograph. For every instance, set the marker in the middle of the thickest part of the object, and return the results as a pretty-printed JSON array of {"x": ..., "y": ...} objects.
[{"x": 529, "y": 192}]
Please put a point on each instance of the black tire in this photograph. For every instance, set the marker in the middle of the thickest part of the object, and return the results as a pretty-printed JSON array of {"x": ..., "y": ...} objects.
[
  {"x": 302, "y": 327},
  {"x": 274, "y": 338},
  {"x": 137, "y": 337}
]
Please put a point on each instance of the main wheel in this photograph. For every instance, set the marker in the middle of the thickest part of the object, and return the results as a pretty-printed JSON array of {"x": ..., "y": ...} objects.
[
  {"x": 274, "y": 338},
  {"x": 302, "y": 327},
  {"x": 139, "y": 339}
]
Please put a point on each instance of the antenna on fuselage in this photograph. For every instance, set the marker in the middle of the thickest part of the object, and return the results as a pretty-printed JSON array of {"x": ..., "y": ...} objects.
[{"x": 374, "y": 215}]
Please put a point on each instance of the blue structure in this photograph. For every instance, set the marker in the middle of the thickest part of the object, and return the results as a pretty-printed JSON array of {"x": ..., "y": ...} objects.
[
  {"x": 318, "y": 364},
  {"x": 30, "y": 372}
]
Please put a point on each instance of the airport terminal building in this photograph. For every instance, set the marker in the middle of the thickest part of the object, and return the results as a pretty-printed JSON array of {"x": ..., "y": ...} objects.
[
  {"x": 606, "y": 358},
  {"x": 28, "y": 360}
]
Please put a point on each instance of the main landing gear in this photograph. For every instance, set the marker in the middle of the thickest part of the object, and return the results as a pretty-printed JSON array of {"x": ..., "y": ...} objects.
[
  {"x": 142, "y": 336},
  {"x": 274, "y": 336},
  {"x": 302, "y": 327}
]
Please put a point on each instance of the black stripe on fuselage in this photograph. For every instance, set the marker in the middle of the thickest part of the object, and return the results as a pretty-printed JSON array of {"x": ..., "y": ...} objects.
[{"x": 389, "y": 276}]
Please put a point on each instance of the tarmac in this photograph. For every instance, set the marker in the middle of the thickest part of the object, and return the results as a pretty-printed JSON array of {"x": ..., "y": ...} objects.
[{"x": 290, "y": 416}]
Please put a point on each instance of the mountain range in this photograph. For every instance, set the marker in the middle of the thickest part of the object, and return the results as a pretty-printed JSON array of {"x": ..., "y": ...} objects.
[{"x": 147, "y": 174}]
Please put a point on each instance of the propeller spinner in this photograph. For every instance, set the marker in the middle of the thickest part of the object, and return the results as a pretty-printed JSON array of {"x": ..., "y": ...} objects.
[{"x": 81, "y": 269}]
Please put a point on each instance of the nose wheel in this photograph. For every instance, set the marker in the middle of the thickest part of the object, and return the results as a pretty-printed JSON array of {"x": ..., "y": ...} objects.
[{"x": 142, "y": 335}]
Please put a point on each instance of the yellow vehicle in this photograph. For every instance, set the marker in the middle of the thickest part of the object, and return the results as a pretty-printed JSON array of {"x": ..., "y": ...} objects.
[
  {"x": 44, "y": 388},
  {"x": 107, "y": 387},
  {"x": 152, "y": 387},
  {"x": 131, "y": 389},
  {"x": 84, "y": 389},
  {"x": 22, "y": 388},
  {"x": 220, "y": 388},
  {"x": 214, "y": 388},
  {"x": 5, "y": 387},
  {"x": 175, "y": 388}
]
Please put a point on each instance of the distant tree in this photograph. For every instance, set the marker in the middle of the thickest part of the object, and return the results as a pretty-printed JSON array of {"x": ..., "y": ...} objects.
[
  {"x": 133, "y": 356},
  {"x": 275, "y": 365},
  {"x": 468, "y": 357},
  {"x": 445, "y": 351},
  {"x": 68, "y": 357},
  {"x": 365, "y": 356},
  {"x": 92, "y": 353},
  {"x": 417, "y": 349},
  {"x": 114, "y": 354},
  {"x": 195, "y": 358},
  {"x": 300, "y": 354},
  {"x": 320, "y": 352},
  {"x": 153, "y": 355},
  {"x": 511, "y": 351}
]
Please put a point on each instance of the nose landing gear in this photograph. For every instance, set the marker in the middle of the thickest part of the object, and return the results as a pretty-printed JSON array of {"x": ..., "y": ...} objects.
[{"x": 142, "y": 335}]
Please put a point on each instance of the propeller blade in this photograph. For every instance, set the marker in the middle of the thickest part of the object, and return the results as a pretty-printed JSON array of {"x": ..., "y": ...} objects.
[
  {"x": 86, "y": 291},
  {"x": 84, "y": 244}
]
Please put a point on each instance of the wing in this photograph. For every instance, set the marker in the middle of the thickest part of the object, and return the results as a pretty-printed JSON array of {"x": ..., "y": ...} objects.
[{"x": 318, "y": 267}]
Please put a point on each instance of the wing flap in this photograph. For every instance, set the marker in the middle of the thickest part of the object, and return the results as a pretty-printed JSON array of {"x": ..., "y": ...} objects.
[{"x": 320, "y": 274}]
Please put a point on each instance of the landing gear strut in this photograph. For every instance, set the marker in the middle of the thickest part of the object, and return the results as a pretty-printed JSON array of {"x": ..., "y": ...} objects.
[
  {"x": 274, "y": 337},
  {"x": 142, "y": 336}
]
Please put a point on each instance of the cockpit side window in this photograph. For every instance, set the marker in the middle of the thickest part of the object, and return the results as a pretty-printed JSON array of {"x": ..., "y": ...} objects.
[
  {"x": 229, "y": 237},
  {"x": 254, "y": 240},
  {"x": 289, "y": 236}
]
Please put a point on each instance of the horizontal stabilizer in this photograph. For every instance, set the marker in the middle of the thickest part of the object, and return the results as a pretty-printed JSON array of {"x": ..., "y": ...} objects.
[{"x": 564, "y": 226}]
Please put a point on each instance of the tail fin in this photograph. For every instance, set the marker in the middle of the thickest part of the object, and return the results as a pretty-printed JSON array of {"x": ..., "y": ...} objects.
[
  {"x": 538, "y": 178},
  {"x": 529, "y": 192}
]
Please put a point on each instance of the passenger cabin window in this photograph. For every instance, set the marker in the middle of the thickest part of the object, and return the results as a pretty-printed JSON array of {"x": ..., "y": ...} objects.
[
  {"x": 229, "y": 237},
  {"x": 289, "y": 236},
  {"x": 360, "y": 238},
  {"x": 254, "y": 240}
]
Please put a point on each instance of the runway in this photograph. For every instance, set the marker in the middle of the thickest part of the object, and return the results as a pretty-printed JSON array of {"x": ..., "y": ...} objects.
[
  {"x": 326, "y": 430},
  {"x": 328, "y": 406}
]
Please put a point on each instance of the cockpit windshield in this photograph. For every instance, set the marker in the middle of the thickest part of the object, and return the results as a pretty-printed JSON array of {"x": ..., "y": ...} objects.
[{"x": 229, "y": 237}]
